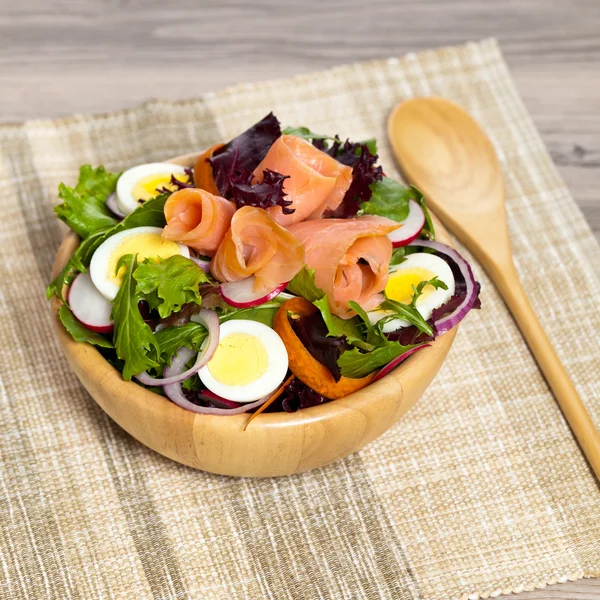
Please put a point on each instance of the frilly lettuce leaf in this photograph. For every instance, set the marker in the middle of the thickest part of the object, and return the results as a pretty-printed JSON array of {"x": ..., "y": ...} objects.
[
  {"x": 133, "y": 339},
  {"x": 151, "y": 213},
  {"x": 169, "y": 284},
  {"x": 84, "y": 206}
]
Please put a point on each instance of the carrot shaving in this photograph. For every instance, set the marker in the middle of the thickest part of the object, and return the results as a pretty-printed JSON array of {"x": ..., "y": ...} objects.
[
  {"x": 203, "y": 172},
  {"x": 301, "y": 362},
  {"x": 270, "y": 401}
]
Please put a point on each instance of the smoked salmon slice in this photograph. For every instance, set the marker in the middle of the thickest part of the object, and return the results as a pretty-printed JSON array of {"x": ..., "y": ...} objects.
[
  {"x": 256, "y": 245},
  {"x": 317, "y": 182},
  {"x": 350, "y": 258},
  {"x": 198, "y": 219}
]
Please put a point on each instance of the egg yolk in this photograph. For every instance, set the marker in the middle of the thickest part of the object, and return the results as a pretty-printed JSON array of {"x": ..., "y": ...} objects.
[
  {"x": 239, "y": 360},
  {"x": 399, "y": 285},
  {"x": 147, "y": 187},
  {"x": 145, "y": 245}
]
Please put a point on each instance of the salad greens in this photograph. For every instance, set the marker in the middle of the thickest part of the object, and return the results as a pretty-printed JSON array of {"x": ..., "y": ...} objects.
[
  {"x": 133, "y": 338},
  {"x": 356, "y": 364},
  {"x": 263, "y": 313},
  {"x": 169, "y": 284},
  {"x": 153, "y": 311},
  {"x": 428, "y": 231},
  {"x": 84, "y": 207},
  {"x": 170, "y": 339},
  {"x": 151, "y": 213},
  {"x": 311, "y": 136},
  {"x": 389, "y": 199},
  {"x": 303, "y": 284},
  {"x": 409, "y": 312},
  {"x": 338, "y": 327},
  {"x": 79, "y": 332}
]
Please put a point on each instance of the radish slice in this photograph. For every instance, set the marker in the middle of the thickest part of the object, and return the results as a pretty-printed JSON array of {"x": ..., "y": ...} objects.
[
  {"x": 410, "y": 228},
  {"x": 241, "y": 294},
  {"x": 111, "y": 204},
  {"x": 286, "y": 296},
  {"x": 203, "y": 264},
  {"x": 210, "y": 320},
  {"x": 176, "y": 395},
  {"x": 392, "y": 365},
  {"x": 89, "y": 306}
]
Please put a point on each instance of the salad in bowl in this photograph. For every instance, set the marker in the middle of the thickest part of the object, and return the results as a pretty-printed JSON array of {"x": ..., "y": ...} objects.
[{"x": 283, "y": 270}]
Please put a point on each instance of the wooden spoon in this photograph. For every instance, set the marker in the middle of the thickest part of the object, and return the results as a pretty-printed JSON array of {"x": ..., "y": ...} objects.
[{"x": 446, "y": 154}]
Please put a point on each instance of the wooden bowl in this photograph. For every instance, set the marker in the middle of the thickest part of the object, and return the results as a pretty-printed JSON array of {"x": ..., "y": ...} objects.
[{"x": 274, "y": 443}]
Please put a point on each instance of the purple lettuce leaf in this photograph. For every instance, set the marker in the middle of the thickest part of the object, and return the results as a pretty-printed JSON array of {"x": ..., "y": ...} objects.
[
  {"x": 244, "y": 153},
  {"x": 297, "y": 395},
  {"x": 364, "y": 173},
  {"x": 348, "y": 153},
  {"x": 178, "y": 184},
  {"x": 312, "y": 332},
  {"x": 269, "y": 192}
]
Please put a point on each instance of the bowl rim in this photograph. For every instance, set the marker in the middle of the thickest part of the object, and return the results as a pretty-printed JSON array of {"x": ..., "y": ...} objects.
[{"x": 86, "y": 358}]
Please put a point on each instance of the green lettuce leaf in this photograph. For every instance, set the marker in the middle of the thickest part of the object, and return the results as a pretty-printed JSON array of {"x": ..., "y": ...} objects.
[
  {"x": 169, "y": 284},
  {"x": 133, "y": 339},
  {"x": 372, "y": 333},
  {"x": 170, "y": 339},
  {"x": 264, "y": 313},
  {"x": 151, "y": 213},
  {"x": 337, "y": 327},
  {"x": 398, "y": 256},
  {"x": 192, "y": 383},
  {"x": 428, "y": 230},
  {"x": 305, "y": 133},
  {"x": 303, "y": 284},
  {"x": 409, "y": 312},
  {"x": 356, "y": 364},
  {"x": 389, "y": 199},
  {"x": 79, "y": 332},
  {"x": 84, "y": 206}
]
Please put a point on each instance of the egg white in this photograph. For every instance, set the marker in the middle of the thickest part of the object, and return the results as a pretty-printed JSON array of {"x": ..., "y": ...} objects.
[
  {"x": 425, "y": 304},
  {"x": 125, "y": 200},
  {"x": 101, "y": 258},
  {"x": 269, "y": 381}
]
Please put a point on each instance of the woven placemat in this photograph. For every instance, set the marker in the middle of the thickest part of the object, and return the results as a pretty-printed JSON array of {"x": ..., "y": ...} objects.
[{"x": 480, "y": 489}]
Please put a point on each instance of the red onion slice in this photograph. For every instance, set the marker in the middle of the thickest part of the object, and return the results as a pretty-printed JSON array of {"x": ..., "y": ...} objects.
[
  {"x": 203, "y": 264},
  {"x": 111, "y": 204},
  {"x": 176, "y": 395},
  {"x": 449, "y": 321},
  {"x": 210, "y": 320}
]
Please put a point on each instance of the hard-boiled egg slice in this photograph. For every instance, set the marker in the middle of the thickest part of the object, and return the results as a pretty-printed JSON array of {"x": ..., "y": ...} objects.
[
  {"x": 415, "y": 269},
  {"x": 141, "y": 183},
  {"x": 250, "y": 362},
  {"x": 145, "y": 242}
]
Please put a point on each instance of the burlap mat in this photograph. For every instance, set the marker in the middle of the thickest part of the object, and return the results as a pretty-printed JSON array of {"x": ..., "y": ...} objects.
[{"x": 480, "y": 489}]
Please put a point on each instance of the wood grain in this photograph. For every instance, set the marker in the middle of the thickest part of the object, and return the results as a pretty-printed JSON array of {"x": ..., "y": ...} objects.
[{"x": 67, "y": 56}]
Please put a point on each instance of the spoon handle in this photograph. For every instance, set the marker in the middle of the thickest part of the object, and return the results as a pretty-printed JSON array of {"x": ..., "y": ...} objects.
[{"x": 507, "y": 282}]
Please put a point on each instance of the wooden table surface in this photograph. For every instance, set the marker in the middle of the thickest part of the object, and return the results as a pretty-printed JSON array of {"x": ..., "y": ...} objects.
[{"x": 64, "y": 56}]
